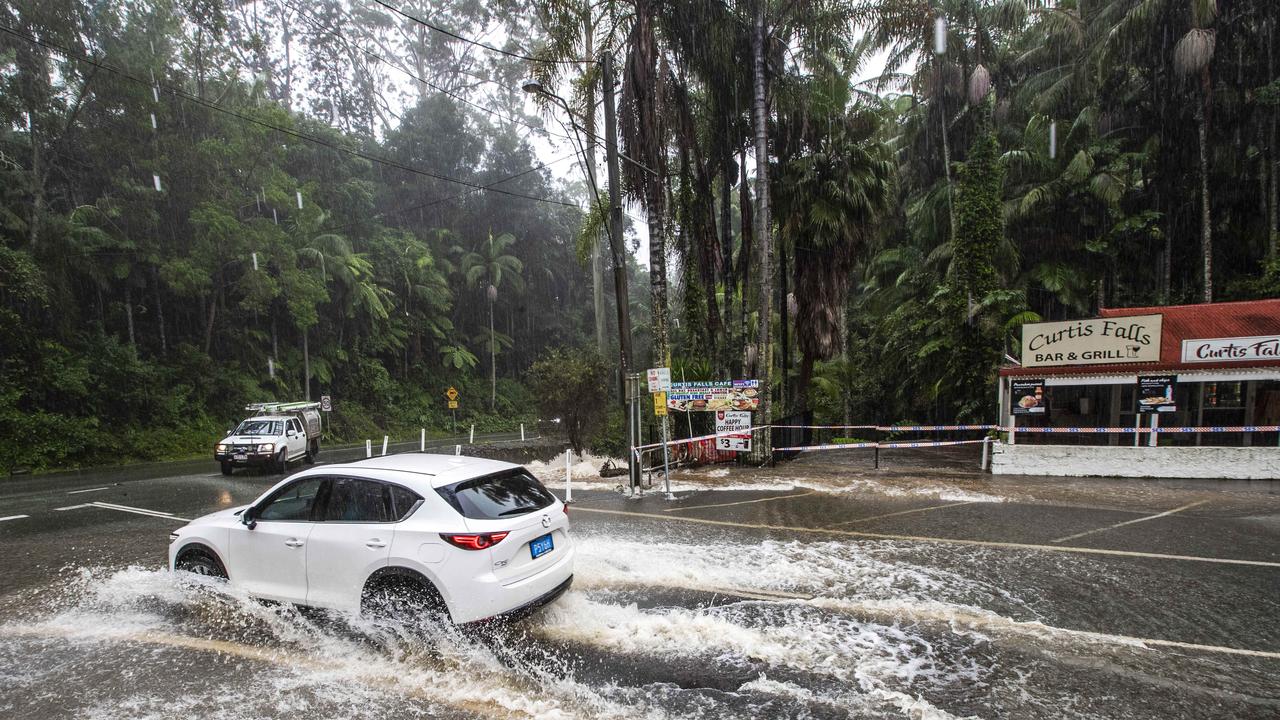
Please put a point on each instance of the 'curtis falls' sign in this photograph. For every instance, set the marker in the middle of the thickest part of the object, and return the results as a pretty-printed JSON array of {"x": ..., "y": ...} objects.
[
  {"x": 1237, "y": 349},
  {"x": 1101, "y": 341}
]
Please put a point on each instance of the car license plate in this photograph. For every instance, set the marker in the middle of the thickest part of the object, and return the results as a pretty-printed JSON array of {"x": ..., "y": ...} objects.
[
  {"x": 239, "y": 456},
  {"x": 541, "y": 546}
]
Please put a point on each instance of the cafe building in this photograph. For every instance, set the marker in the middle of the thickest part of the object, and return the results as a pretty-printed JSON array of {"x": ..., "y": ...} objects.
[{"x": 1085, "y": 395}]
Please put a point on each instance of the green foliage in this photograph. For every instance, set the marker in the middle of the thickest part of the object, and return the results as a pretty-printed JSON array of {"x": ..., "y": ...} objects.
[{"x": 569, "y": 384}]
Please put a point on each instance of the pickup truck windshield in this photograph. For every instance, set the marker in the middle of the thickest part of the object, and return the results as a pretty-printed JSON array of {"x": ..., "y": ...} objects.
[{"x": 260, "y": 427}]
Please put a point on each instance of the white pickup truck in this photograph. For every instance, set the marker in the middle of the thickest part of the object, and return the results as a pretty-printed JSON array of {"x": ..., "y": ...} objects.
[{"x": 276, "y": 435}]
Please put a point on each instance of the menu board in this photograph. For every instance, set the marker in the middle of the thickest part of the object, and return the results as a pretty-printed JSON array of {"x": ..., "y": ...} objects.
[
  {"x": 717, "y": 395},
  {"x": 1155, "y": 394},
  {"x": 1027, "y": 397}
]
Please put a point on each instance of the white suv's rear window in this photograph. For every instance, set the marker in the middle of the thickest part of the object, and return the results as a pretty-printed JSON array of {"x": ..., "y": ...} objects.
[{"x": 508, "y": 494}]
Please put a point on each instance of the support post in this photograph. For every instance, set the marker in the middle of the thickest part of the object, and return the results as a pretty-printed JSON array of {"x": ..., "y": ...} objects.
[
  {"x": 986, "y": 453},
  {"x": 368, "y": 448},
  {"x": 521, "y": 432},
  {"x": 666, "y": 462},
  {"x": 422, "y": 443},
  {"x": 1155, "y": 423},
  {"x": 877, "y": 457},
  {"x": 472, "y": 441},
  {"x": 384, "y": 444},
  {"x": 1013, "y": 429},
  {"x": 568, "y": 474},
  {"x": 457, "y": 449}
]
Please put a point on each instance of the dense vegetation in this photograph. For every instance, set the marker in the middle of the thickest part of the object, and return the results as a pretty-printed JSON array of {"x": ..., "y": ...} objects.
[{"x": 207, "y": 203}]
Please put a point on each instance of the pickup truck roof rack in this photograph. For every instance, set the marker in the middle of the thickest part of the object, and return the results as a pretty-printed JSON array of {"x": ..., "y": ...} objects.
[{"x": 281, "y": 407}]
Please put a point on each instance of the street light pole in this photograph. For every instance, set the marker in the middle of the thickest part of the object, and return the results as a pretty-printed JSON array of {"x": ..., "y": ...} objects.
[{"x": 617, "y": 243}]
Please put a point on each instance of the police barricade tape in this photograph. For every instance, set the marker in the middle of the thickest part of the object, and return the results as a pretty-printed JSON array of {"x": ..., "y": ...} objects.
[
  {"x": 826, "y": 427},
  {"x": 1072, "y": 430},
  {"x": 921, "y": 428},
  {"x": 891, "y": 445},
  {"x": 700, "y": 438},
  {"x": 1171, "y": 429},
  {"x": 1219, "y": 428}
]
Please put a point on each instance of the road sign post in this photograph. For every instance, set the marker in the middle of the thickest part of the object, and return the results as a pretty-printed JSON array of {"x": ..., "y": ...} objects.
[{"x": 452, "y": 396}]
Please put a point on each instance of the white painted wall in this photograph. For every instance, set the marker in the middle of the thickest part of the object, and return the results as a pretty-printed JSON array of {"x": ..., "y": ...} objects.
[{"x": 1218, "y": 463}]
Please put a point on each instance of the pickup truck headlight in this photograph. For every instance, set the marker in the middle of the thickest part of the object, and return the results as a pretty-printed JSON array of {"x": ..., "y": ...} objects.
[
  {"x": 222, "y": 447},
  {"x": 266, "y": 447}
]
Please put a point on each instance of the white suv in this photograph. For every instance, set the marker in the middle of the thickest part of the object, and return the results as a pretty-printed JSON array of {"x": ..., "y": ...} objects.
[{"x": 401, "y": 534}]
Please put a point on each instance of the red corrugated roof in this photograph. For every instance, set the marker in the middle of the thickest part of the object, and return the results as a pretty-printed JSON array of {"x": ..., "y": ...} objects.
[{"x": 1184, "y": 322}]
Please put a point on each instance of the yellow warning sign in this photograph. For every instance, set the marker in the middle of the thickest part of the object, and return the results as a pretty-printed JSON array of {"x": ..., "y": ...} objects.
[
  {"x": 452, "y": 394},
  {"x": 660, "y": 404},
  {"x": 453, "y": 404}
]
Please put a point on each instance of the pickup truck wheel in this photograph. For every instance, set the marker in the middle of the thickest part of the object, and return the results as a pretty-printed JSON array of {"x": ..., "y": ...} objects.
[
  {"x": 282, "y": 462},
  {"x": 310, "y": 456},
  {"x": 226, "y": 468}
]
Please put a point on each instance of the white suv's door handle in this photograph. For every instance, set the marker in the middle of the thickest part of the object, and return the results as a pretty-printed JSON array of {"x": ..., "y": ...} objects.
[
  {"x": 293, "y": 543},
  {"x": 375, "y": 543}
]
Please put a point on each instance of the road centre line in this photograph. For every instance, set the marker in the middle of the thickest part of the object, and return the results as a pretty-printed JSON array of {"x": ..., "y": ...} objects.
[
  {"x": 139, "y": 511},
  {"x": 73, "y": 507},
  {"x": 77, "y": 492},
  {"x": 950, "y": 615},
  {"x": 13, "y": 517},
  {"x": 946, "y": 541},
  {"x": 742, "y": 502},
  {"x": 904, "y": 512},
  {"x": 1166, "y": 513}
]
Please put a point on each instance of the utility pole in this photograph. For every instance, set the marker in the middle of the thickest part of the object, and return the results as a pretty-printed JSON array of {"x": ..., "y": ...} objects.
[{"x": 618, "y": 248}]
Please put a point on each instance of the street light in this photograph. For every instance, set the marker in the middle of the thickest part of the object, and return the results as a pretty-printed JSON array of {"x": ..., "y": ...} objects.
[{"x": 614, "y": 227}]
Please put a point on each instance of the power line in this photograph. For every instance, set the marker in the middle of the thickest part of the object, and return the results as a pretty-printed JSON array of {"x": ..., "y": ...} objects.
[
  {"x": 283, "y": 130},
  {"x": 477, "y": 43},
  {"x": 459, "y": 196},
  {"x": 378, "y": 58}
]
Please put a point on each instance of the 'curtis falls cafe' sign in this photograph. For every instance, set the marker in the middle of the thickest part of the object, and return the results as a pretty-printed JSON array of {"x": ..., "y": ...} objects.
[{"x": 1101, "y": 341}]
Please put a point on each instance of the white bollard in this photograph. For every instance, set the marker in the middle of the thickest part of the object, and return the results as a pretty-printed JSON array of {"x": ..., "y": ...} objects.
[
  {"x": 457, "y": 449},
  {"x": 568, "y": 475},
  {"x": 368, "y": 448},
  {"x": 384, "y": 444},
  {"x": 422, "y": 444},
  {"x": 521, "y": 432},
  {"x": 472, "y": 441}
]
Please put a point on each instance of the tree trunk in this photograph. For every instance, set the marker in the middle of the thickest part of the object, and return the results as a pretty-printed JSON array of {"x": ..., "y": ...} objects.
[
  {"x": 1273, "y": 153},
  {"x": 306, "y": 363},
  {"x": 493, "y": 364},
  {"x": 658, "y": 273},
  {"x": 1206, "y": 226},
  {"x": 208, "y": 325},
  {"x": 726, "y": 261},
  {"x": 760, "y": 111},
  {"x": 784, "y": 322},
  {"x": 164, "y": 344},
  {"x": 128, "y": 313},
  {"x": 946, "y": 151},
  {"x": 589, "y": 151},
  {"x": 744, "y": 253}
]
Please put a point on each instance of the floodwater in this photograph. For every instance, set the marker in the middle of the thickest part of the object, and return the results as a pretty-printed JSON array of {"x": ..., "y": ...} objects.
[{"x": 691, "y": 622}]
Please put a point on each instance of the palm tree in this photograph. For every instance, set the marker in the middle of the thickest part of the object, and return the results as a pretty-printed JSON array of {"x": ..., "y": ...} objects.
[{"x": 487, "y": 267}]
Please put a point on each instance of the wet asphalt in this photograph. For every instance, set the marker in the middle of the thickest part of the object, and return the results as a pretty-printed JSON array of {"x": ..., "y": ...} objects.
[{"x": 822, "y": 587}]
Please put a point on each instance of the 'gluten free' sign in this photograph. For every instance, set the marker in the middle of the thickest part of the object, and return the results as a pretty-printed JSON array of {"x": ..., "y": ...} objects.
[{"x": 1101, "y": 341}]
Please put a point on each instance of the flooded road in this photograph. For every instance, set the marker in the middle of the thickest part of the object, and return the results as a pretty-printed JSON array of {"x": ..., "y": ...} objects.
[{"x": 757, "y": 593}]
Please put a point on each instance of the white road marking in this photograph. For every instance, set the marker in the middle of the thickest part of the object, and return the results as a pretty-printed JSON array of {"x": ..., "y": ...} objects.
[
  {"x": 13, "y": 517},
  {"x": 139, "y": 511},
  {"x": 77, "y": 492},
  {"x": 947, "y": 541},
  {"x": 1166, "y": 513},
  {"x": 904, "y": 512},
  {"x": 115, "y": 506},
  {"x": 73, "y": 507},
  {"x": 741, "y": 502}
]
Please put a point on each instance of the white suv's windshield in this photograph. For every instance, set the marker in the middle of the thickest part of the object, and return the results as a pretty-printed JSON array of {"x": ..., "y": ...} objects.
[{"x": 259, "y": 427}]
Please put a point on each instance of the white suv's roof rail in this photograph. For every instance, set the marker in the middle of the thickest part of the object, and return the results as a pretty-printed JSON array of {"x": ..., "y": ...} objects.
[{"x": 281, "y": 407}]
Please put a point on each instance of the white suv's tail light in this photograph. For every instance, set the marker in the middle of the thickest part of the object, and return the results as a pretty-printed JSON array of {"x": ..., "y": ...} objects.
[{"x": 474, "y": 541}]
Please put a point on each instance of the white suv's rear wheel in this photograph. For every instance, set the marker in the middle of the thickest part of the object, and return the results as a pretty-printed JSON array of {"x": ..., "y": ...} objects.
[{"x": 403, "y": 598}]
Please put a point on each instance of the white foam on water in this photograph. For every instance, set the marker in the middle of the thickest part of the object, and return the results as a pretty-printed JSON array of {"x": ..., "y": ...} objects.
[{"x": 887, "y": 664}]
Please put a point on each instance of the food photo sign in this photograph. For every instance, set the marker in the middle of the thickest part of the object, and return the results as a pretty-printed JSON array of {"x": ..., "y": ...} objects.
[
  {"x": 714, "y": 395},
  {"x": 1027, "y": 397},
  {"x": 1155, "y": 394}
]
